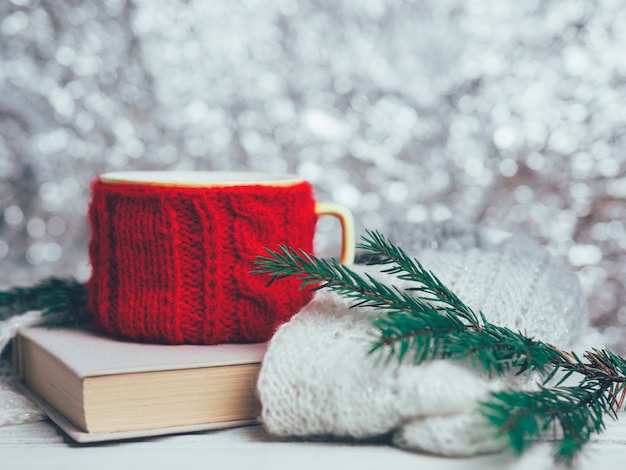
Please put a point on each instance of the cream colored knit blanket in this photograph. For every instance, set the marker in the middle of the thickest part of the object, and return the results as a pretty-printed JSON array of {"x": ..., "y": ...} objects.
[
  {"x": 15, "y": 408},
  {"x": 317, "y": 379}
]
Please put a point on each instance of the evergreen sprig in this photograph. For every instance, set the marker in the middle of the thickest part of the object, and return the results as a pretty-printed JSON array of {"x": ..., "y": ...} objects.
[
  {"x": 574, "y": 412},
  {"x": 63, "y": 299},
  {"x": 428, "y": 321}
]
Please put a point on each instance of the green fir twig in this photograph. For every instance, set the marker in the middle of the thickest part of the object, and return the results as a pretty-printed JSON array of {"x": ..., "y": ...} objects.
[
  {"x": 62, "y": 299},
  {"x": 429, "y": 321},
  {"x": 575, "y": 412}
]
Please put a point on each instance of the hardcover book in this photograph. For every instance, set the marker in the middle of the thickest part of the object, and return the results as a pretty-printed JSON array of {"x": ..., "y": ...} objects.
[{"x": 99, "y": 388}]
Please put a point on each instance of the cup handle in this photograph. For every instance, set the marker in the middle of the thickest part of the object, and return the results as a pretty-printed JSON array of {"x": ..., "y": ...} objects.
[{"x": 347, "y": 227}]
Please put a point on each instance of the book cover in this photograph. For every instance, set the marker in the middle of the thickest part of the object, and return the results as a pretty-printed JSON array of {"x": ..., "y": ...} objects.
[{"x": 98, "y": 388}]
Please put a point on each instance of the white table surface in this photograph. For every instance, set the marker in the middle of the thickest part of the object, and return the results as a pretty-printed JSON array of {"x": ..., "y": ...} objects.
[{"x": 41, "y": 446}]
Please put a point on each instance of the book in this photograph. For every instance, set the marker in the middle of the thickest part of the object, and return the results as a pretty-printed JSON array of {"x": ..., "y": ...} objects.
[{"x": 99, "y": 388}]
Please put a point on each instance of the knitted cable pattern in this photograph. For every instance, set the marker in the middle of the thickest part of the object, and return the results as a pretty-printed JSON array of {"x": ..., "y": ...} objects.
[
  {"x": 318, "y": 380},
  {"x": 172, "y": 264}
]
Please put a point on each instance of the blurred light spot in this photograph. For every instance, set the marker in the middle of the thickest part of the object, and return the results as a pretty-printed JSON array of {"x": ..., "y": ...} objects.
[
  {"x": 563, "y": 142},
  {"x": 615, "y": 229},
  {"x": 417, "y": 213},
  {"x": 221, "y": 136},
  {"x": 116, "y": 157},
  {"x": 83, "y": 271},
  {"x": 397, "y": 192},
  {"x": 441, "y": 213},
  {"x": 167, "y": 154},
  {"x": 343, "y": 85},
  {"x": 599, "y": 231},
  {"x": 85, "y": 121},
  {"x": 39, "y": 253},
  {"x": 196, "y": 112},
  {"x": 51, "y": 195},
  {"x": 508, "y": 167},
  {"x": 55, "y": 226},
  {"x": 35, "y": 254},
  {"x": 580, "y": 191},
  {"x": 609, "y": 167},
  {"x": 87, "y": 65},
  {"x": 62, "y": 102},
  {"x": 359, "y": 102},
  {"x": 523, "y": 194},
  {"x": 325, "y": 126},
  {"x": 14, "y": 23},
  {"x": 13, "y": 215},
  {"x": 288, "y": 7},
  {"x": 616, "y": 188},
  {"x": 51, "y": 142},
  {"x": 582, "y": 164},
  {"x": 135, "y": 148},
  {"x": 439, "y": 180},
  {"x": 280, "y": 109},
  {"x": 122, "y": 128},
  {"x": 577, "y": 112},
  {"x": 562, "y": 227},
  {"x": 347, "y": 195},
  {"x": 252, "y": 141},
  {"x": 52, "y": 252},
  {"x": 606, "y": 301},
  {"x": 283, "y": 135},
  {"x": 310, "y": 171},
  {"x": 370, "y": 201},
  {"x": 535, "y": 161},
  {"x": 36, "y": 227},
  {"x": 70, "y": 187},
  {"x": 65, "y": 55},
  {"x": 576, "y": 60},
  {"x": 581, "y": 255},
  {"x": 621, "y": 315},
  {"x": 601, "y": 150},
  {"x": 4, "y": 249},
  {"x": 474, "y": 167}
]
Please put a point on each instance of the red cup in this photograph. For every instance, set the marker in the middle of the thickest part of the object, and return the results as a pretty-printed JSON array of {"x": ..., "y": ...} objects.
[{"x": 171, "y": 253}]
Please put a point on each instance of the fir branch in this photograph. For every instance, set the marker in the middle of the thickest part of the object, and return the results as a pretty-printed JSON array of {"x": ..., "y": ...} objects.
[
  {"x": 576, "y": 412},
  {"x": 318, "y": 273},
  {"x": 409, "y": 323},
  {"x": 435, "y": 323},
  {"x": 425, "y": 331},
  {"x": 64, "y": 299},
  {"x": 600, "y": 365},
  {"x": 430, "y": 326},
  {"x": 500, "y": 350},
  {"x": 412, "y": 270},
  {"x": 431, "y": 335}
]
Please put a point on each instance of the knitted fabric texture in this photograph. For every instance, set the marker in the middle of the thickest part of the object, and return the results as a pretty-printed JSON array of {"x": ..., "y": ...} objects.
[
  {"x": 172, "y": 264},
  {"x": 318, "y": 380},
  {"x": 14, "y": 407}
]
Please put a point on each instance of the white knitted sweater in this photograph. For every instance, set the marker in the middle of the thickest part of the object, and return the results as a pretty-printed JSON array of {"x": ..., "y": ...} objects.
[{"x": 318, "y": 380}]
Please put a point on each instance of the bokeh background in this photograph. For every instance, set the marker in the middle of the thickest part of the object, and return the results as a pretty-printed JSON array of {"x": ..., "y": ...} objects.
[{"x": 497, "y": 113}]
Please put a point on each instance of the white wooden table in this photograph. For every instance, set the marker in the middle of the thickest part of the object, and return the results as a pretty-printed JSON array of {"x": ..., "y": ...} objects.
[{"x": 41, "y": 446}]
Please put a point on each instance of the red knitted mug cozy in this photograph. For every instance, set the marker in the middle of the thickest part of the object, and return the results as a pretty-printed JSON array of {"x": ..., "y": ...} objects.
[{"x": 172, "y": 264}]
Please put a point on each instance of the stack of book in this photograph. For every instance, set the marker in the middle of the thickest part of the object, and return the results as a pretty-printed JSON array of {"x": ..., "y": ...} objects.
[{"x": 98, "y": 388}]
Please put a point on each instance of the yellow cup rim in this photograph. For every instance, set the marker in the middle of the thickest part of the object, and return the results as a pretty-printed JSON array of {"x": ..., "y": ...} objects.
[{"x": 199, "y": 178}]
